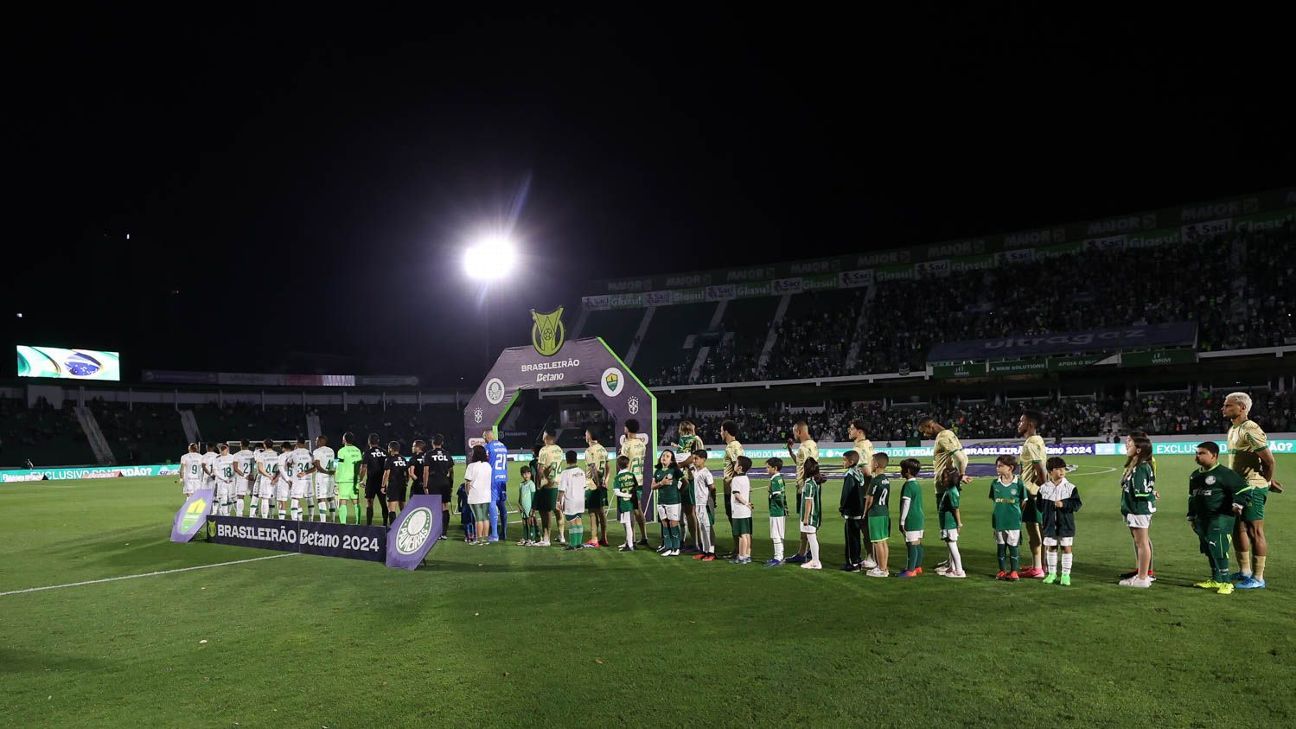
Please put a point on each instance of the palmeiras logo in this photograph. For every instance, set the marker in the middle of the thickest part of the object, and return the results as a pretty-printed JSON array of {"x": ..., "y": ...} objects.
[
  {"x": 547, "y": 332},
  {"x": 1210, "y": 480},
  {"x": 414, "y": 530},
  {"x": 495, "y": 391},
  {"x": 612, "y": 381},
  {"x": 477, "y": 415},
  {"x": 194, "y": 516},
  {"x": 633, "y": 405}
]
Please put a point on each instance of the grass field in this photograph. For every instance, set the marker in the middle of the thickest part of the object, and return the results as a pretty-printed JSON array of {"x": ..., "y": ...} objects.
[{"x": 511, "y": 636}]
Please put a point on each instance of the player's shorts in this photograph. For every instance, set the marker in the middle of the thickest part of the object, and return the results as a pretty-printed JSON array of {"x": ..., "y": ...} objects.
[
  {"x": 1214, "y": 534},
  {"x": 669, "y": 511},
  {"x": 1254, "y": 511},
  {"x": 879, "y": 528},
  {"x": 241, "y": 487},
  {"x": 742, "y": 525},
  {"x": 347, "y": 490},
  {"x": 595, "y": 499},
  {"x": 778, "y": 528},
  {"x": 443, "y": 489},
  {"x": 572, "y": 517},
  {"x": 1138, "y": 521},
  {"x": 299, "y": 489},
  {"x": 224, "y": 491},
  {"x": 913, "y": 536},
  {"x": 1058, "y": 541},
  {"x": 1030, "y": 514},
  {"x": 281, "y": 490},
  {"x": 480, "y": 512},
  {"x": 373, "y": 489},
  {"x": 190, "y": 487},
  {"x": 396, "y": 492},
  {"x": 325, "y": 489},
  {"x": 625, "y": 518},
  {"x": 949, "y": 535},
  {"x": 1009, "y": 537},
  {"x": 546, "y": 500}
]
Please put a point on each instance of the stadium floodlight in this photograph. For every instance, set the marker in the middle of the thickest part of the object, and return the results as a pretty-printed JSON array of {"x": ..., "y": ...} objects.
[{"x": 490, "y": 258}]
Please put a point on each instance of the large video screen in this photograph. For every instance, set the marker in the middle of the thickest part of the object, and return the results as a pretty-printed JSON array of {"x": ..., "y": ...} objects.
[{"x": 73, "y": 364}]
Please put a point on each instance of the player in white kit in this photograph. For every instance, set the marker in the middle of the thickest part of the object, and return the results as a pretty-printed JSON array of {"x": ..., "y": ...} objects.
[
  {"x": 225, "y": 479},
  {"x": 191, "y": 470},
  {"x": 325, "y": 463},
  {"x": 266, "y": 462},
  {"x": 209, "y": 467},
  {"x": 283, "y": 484},
  {"x": 243, "y": 475},
  {"x": 300, "y": 462}
]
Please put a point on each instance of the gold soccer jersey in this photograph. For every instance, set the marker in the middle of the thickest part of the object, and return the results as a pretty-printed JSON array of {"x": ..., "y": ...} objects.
[
  {"x": 1032, "y": 452},
  {"x": 1245, "y": 442}
]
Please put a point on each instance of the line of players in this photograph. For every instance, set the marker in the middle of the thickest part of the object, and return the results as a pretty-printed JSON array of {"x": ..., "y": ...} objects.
[
  {"x": 1226, "y": 503},
  {"x": 286, "y": 481}
]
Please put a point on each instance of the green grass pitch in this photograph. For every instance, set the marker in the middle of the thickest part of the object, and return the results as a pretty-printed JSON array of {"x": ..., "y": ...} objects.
[{"x": 508, "y": 636}]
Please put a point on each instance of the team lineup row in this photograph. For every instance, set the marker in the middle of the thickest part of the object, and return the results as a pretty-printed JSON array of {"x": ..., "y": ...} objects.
[{"x": 573, "y": 497}]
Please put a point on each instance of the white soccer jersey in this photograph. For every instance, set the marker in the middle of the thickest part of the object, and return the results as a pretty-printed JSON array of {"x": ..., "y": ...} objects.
[
  {"x": 285, "y": 476},
  {"x": 742, "y": 486},
  {"x": 572, "y": 485},
  {"x": 191, "y": 468},
  {"x": 300, "y": 462},
  {"x": 268, "y": 460},
  {"x": 209, "y": 462},
  {"x": 328, "y": 461},
  {"x": 703, "y": 482},
  {"x": 244, "y": 459},
  {"x": 225, "y": 475}
]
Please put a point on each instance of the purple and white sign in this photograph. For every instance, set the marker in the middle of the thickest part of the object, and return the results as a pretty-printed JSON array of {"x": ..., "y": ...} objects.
[
  {"x": 415, "y": 533},
  {"x": 326, "y": 539},
  {"x": 582, "y": 362},
  {"x": 192, "y": 516}
]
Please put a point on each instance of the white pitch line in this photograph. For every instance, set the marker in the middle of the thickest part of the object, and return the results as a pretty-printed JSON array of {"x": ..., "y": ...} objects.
[{"x": 145, "y": 574}]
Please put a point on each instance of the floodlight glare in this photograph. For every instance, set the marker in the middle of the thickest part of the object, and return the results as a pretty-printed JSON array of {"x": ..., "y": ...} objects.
[{"x": 490, "y": 258}]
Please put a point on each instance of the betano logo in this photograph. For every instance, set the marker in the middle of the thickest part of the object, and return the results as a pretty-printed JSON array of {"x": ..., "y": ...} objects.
[
  {"x": 194, "y": 516},
  {"x": 547, "y": 333}
]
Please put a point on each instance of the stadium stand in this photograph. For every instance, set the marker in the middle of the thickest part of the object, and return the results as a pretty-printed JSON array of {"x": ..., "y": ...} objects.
[{"x": 1237, "y": 286}]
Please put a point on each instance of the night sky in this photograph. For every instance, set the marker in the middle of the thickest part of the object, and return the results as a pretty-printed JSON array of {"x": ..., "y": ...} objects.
[{"x": 301, "y": 186}]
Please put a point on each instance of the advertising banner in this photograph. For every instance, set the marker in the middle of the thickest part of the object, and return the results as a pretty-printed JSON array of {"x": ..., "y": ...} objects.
[
  {"x": 1117, "y": 338},
  {"x": 75, "y": 473},
  {"x": 326, "y": 539},
  {"x": 191, "y": 517},
  {"x": 1158, "y": 358},
  {"x": 416, "y": 532}
]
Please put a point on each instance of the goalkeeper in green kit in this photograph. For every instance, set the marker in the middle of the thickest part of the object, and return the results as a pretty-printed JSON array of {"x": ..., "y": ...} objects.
[
  {"x": 1216, "y": 496},
  {"x": 348, "y": 472}
]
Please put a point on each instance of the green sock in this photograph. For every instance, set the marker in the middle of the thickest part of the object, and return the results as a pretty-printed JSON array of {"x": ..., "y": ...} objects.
[
  {"x": 1003, "y": 557},
  {"x": 909, "y": 556},
  {"x": 342, "y": 513},
  {"x": 919, "y": 560},
  {"x": 674, "y": 537},
  {"x": 1015, "y": 554}
]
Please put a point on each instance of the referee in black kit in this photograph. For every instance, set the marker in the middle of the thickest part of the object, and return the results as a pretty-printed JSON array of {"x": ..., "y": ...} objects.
[
  {"x": 440, "y": 475},
  {"x": 371, "y": 471}
]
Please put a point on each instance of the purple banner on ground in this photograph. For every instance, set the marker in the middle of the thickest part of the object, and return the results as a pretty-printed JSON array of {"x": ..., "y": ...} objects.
[
  {"x": 325, "y": 539},
  {"x": 1138, "y": 336},
  {"x": 415, "y": 532},
  {"x": 191, "y": 516}
]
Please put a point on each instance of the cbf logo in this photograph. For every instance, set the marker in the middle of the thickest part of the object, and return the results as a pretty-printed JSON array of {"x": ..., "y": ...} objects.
[
  {"x": 547, "y": 332},
  {"x": 633, "y": 405},
  {"x": 414, "y": 531},
  {"x": 477, "y": 415},
  {"x": 612, "y": 381},
  {"x": 495, "y": 391},
  {"x": 194, "y": 516}
]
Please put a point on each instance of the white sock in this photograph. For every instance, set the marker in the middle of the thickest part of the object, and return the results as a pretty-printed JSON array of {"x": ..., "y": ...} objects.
[
  {"x": 956, "y": 560},
  {"x": 778, "y": 549},
  {"x": 265, "y": 508},
  {"x": 1066, "y": 563},
  {"x": 296, "y": 510},
  {"x": 813, "y": 539},
  {"x": 238, "y": 506},
  {"x": 1051, "y": 558},
  {"x": 629, "y": 537}
]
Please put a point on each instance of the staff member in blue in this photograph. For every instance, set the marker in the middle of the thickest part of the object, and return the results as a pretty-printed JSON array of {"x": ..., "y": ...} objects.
[{"x": 498, "y": 455}]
